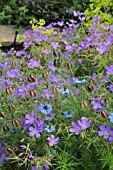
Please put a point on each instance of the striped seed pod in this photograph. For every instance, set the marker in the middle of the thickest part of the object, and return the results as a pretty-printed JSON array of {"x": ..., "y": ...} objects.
[
  {"x": 0, "y": 73},
  {"x": 33, "y": 93},
  {"x": 6, "y": 128},
  {"x": 56, "y": 90},
  {"x": 84, "y": 105},
  {"x": 32, "y": 78},
  {"x": 69, "y": 65},
  {"x": 90, "y": 88},
  {"x": 12, "y": 107},
  {"x": 107, "y": 100},
  {"x": 13, "y": 64},
  {"x": 57, "y": 62},
  {"x": 16, "y": 123},
  {"x": 45, "y": 75},
  {"x": 9, "y": 91},
  {"x": 104, "y": 114},
  {"x": 2, "y": 115},
  {"x": 10, "y": 149}
]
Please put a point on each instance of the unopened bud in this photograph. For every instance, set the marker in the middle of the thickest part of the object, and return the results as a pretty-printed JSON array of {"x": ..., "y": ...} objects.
[{"x": 32, "y": 78}]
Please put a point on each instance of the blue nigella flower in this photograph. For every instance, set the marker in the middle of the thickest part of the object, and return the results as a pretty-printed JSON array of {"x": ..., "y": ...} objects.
[
  {"x": 45, "y": 108},
  {"x": 67, "y": 115},
  {"x": 65, "y": 92},
  {"x": 111, "y": 117},
  {"x": 49, "y": 129},
  {"x": 77, "y": 81}
]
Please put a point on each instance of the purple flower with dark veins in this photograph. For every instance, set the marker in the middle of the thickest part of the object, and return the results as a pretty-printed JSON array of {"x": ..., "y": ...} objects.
[
  {"x": 52, "y": 140},
  {"x": 104, "y": 131},
  {"x": 30, "y": 119},
  {"x": 39, "y": 127},
  {"x": 76, "y": 128},
  {"x": 84, "y": 123},
  {"x": 98, "y": 104},
  {"x": 110, "y": 88},
  {"x": 33, "y": 63},
  {"x": 109, "y": 70}
]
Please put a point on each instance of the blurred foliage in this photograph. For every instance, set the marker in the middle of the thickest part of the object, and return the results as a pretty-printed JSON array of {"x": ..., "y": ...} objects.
[{"x": 100, "y": 8}]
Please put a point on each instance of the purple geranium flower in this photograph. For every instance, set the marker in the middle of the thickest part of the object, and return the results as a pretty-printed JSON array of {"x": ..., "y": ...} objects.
[
  {"x": 98, "y": 104},
  {"x": 52, "y": 140},
  {"x": 76, "y": 128},
  {"x": 39, "y": 127},
  {"x": 31, "y": 118},
  {"x": 109, "y": 70},
  {"x": 33, "y": 63},
  {"x": 84, "y": 124},
  {"x": 104, "y": 131},
  {"x": 110, "y": 88}
]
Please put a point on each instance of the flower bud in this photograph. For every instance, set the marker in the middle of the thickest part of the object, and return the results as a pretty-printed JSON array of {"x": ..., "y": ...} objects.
[
  {"x": 13, "y": 64},
  {"x": 33, "y": 93},
  {"x": 16, "y": 123},
  {"x": 90, "y": 88},
  {"x": 10, "y": 149},
  {"x": 57, "y": 62},
  {"x": 104, "y": 114},
  {"x": 0, "y": 73},
  {"x": 12, "y": 107},
  {"x": 45, "y": 75},
  {"x": 2, "y": 115},
  {"x": 56, "y": 90},
  {"x": 9, "y": 91},
  {"x": 6, "y": 128},
  {"x": 107, "y": 100},
  {"x": 32, "y": 78},
  {"x": 84, "y": 105},
  {"x": 69, "y": 65}
]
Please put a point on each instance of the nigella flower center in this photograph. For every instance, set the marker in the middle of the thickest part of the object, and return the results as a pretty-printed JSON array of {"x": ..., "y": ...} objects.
[{"x": 45, "y": 107}]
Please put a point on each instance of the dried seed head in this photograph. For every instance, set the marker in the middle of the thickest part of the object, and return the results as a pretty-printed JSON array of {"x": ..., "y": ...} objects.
[
  {"x": 0, "y": 73},
  {"x": 16, "y": 123},
  {"x": 2, "y": 115},
  {"x": 6, "y": 128},
  {"x": 12, "y": 107},
  {"x": 84, "y": 105},
  {"x": 104, "y": 114},
  {"x": 45, "y": 75},
  {"x": 32, "y": 78},
  {"x": 9, "y": 91},
  {"x": 10, "y": 149},
  {"x": 13, "y": 64},
  {"x": 69, "y": 65},
  {"x": 33, "y": 93},
  {"x": 56, "y": 90},
  {"x": 90, "y": 88}
]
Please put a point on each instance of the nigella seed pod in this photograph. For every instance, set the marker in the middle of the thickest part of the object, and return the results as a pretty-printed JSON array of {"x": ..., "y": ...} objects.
[
  {"x": 84, "y": 105},
  {"x": 2, "y": 115},
  {"x": 6, "y": 128},
  {"x": 16, "y": 123},
  {"x": 69, "y": 65},
  {"x": 90, "y": 88},
  {"x": 9, "y": 91},
  {"x": 56, "y": 90},
  {"x": 10, "y": 149},
  {"x": 33, "y": 93},
  {"x": 45, "y": 75},
  {"x": 0, "y": 73},
  {"x": 12, "y": 107},
  {"x": 57, "y": 62},
  {"x": 107, "y": 100},
  {"x": 13, "y": 64},
  {"x": 104, "y": 114},
  {"x": 32, "y": 78}
]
